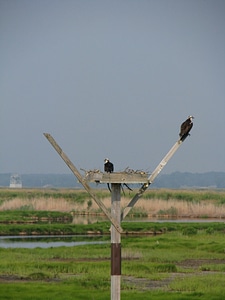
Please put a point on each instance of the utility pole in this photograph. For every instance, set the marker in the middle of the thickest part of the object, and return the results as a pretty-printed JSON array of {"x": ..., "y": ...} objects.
[
  {"x": 81, "y": 179},
  {"x": 116, "y": 179},
  {"x": 115, "y": 243}
]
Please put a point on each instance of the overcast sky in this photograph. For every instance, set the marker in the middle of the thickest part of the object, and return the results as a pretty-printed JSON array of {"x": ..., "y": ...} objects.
[{"x": 111, "y": 79}]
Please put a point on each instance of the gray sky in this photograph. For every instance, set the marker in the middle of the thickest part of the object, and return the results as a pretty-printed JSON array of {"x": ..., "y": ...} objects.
[{"x": 111, "y": 79}]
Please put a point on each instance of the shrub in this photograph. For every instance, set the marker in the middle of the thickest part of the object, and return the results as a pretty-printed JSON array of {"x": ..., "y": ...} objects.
[
  {"x": 190, "y": 231},
  {"x": 165, "y": 268},
  {"x": 210, "y": 230},
  {"x": 172, "y": 211}
]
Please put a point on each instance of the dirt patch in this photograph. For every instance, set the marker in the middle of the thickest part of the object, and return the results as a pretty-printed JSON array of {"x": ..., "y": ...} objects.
[
  {"x": 196, "y": 263},
  {"x": 97, "y": 259},
  {"x": 10, "y": 278},
  {"x": 148, "y": 284},
  {"x": 139, "y": 283},
  {"x": 14, "y": 278}
]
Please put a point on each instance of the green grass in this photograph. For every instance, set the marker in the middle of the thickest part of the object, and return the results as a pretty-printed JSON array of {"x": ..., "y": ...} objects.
[
  {"x": 187, "y": 195},
  {"x": 25, "y": 215},
  {"x": 217, "y": 196},
  {"x": 72, "y": 290},
  {"x": 84, "y": 272},
  {"x": 200, "y": 284},
  {"x": 7, "y": 194},
  {"x": 49, "y": 291},
  {"x": 46, "y": 227}
]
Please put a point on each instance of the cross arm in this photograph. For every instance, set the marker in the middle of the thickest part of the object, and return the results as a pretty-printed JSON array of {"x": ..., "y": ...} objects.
[
  {"x": 151, "y": 178},
  {"x": 82, "y": 180}
]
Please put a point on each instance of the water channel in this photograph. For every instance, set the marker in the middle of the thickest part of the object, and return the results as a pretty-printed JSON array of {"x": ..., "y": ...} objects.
[
  {"x": 32, "y": 242},
  {"x": 77, "y": 240},
  {"x": 90, "y": 219}
]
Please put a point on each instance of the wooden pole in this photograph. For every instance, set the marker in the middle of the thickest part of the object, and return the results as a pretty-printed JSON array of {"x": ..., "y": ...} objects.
[
  {"x": 115, "y": 242},
  {"x": 152, "y": 177},
  {"x": 81, "y": 179}
]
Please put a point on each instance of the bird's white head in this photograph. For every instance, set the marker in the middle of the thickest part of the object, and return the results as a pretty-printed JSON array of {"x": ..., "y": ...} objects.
[
  {"x": 106, "y": 160},
  {"x": 191, "y": 118}
]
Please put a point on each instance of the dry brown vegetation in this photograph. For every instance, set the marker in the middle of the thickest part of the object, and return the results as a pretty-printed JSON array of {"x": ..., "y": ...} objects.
[
  {"x": 149, "y": 207},
  {"x": 49, "y": 204}
]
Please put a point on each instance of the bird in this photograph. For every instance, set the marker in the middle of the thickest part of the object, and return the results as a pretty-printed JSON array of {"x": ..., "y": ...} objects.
[
  {"x": 108, "y": 166},
  {"x": 185, "y": 128}
]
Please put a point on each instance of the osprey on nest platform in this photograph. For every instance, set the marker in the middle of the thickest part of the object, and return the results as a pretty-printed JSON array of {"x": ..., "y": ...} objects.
[
  {"x": 108, "y": 166},
  {"x": 185, "y": 128}
]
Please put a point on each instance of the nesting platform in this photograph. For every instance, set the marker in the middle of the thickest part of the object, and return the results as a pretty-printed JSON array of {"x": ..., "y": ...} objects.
[{"x": 116, "y": 177}]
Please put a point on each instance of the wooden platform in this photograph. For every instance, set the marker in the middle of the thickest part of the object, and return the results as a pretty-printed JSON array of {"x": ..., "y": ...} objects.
[{"x": 116, "y": 177}]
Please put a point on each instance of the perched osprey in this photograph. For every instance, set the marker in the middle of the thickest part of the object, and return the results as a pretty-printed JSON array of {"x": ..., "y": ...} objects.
[
  {"x": 185, "y": 127},
  {"x": 108, "y": 166}
]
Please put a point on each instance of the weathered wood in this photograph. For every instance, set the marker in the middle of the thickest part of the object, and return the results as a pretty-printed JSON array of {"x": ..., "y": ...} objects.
[
  {"x": 117, "y": 177},
  {"x": 81, "y": 180},
  {"x": 115, "y": 243},
  {"x": 151, "y": 178}
]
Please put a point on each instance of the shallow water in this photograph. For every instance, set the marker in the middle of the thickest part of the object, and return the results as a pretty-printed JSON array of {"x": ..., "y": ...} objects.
[
  {"x": 89, "y": 219},
  {"x": 176, "y": 220},
  {"x": 32, "y": 242}
]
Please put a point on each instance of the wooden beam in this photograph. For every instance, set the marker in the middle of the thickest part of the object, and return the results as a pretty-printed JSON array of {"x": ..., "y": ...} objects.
[
  {"x": 117, "y": 177},
  {"x": 115, "y": 243},
  {"x": 81, "y": 180},
  {"x": 151, "y": 178}
]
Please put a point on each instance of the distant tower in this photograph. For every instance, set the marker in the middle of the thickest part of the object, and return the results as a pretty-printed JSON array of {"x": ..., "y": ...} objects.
[{"x": 15, "y": 181}]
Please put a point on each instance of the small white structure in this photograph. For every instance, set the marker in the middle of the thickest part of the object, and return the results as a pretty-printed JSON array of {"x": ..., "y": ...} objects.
[{"x": 15, "y": 181}]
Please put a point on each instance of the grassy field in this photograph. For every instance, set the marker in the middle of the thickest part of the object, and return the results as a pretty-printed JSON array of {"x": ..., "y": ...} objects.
[
  {"x": 171, "y": 261},
  {"x": 175, "y": 265}
]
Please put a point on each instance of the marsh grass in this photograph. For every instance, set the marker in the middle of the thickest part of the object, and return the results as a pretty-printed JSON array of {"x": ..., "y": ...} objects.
[
  {"x": 83, "y": 272},
  {"x": 30, "y": 216},
  {"x": 154, "y": 203},
  {"x": 47, "y": 204},
  {"x": 144, "y": 208},
  {"x": 99, "y": 228},
  {"x": 201, "y": 284},
  {"x": 213, "y": 267}
]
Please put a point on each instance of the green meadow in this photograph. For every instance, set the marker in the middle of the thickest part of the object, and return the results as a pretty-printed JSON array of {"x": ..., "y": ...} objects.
[
  {"x": 160, "y": 260},
  {"x": 175, "y": 265}
]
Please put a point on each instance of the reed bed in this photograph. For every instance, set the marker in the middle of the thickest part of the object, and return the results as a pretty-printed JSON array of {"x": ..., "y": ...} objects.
[
  {"x": 172, "y": 207},
  {"x": 47, "y": 204},
  {"x": 144, "y": 207}
]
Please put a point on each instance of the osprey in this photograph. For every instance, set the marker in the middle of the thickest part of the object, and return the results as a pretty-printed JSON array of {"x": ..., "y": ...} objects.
[
  {"x": 108, "y": 166},
  {"x": 185, "y": 127}
]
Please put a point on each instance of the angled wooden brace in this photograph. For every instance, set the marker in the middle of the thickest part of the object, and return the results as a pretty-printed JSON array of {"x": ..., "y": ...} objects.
[
  {"x": 82, "y": 181},
  {"x": 152, "y": 177}
]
